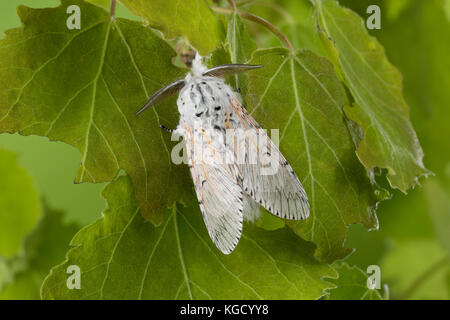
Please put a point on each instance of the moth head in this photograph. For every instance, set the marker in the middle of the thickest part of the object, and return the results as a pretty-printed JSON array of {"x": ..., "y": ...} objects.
[{"x": 175, "y": 87}]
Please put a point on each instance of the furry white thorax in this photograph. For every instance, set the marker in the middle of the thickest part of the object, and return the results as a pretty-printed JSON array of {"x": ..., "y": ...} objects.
[
  {"x": 203, "y": 100},
  {"x": 197, "y": 66}
]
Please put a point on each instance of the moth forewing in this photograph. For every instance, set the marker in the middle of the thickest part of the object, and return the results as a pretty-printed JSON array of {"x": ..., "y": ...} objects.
[
  {"x": 277, "y": 189},
  {"x": 220, "y": 197},
  {"x": 269, "y": 159}
]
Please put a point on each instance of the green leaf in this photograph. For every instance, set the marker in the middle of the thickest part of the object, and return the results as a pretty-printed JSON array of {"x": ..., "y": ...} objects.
[
  {"x": 96, "y": 78},
  {"x": 237, "y": 48},
  {"x": 19, "y": 204},
  {"x": 447, "y": 9},
  {"x": 121, "y": 256},
  {"x": 395, "y": 8},
  {"x": 423, "y": 279},
  {"x": 240, "y": 43},
  {"x": 389, "y": 139},
  {"x": 190, "y": 18},
  {"x": 44, "y": 247},
  {"x": 293, "y": 18},
  {"x": 352, "y": 284},
  {"x": 103, "y": 3},
  {"x": 120, "y": 10},
  {"x": 301, "y": 96},
  {"x": 447, "y": 279},
  {"x": 241, "y": 47}
]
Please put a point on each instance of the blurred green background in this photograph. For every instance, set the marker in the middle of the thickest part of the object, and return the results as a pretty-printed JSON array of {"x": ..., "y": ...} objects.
[{"x": 413, "y": 241}]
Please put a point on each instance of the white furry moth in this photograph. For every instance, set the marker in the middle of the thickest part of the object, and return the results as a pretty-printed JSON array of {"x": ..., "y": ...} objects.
[{"x": 230, "y": 157}]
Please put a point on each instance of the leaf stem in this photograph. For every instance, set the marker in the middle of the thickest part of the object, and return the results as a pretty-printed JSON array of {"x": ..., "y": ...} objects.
[
  {"x": 424, "y": 277},
  {"x": 251, "y": 17},
  {"x": 282, "y": 11},
  {"x": 232, "y": 5},
  {"x": 112, "y": 10}
]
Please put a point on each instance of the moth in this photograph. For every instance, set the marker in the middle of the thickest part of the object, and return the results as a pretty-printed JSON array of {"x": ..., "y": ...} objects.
[{"x": 227, "y": 155}]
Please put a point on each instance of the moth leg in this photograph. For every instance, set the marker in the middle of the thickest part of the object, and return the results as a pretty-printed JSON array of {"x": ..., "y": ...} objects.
[{"x": 167, "y": 129}]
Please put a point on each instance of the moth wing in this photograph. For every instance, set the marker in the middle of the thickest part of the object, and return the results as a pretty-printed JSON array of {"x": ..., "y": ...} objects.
[
  {"x": 251, "y": 208},
  {"x": 219, "y": 194},
  {"x": 277, "y": 189}
]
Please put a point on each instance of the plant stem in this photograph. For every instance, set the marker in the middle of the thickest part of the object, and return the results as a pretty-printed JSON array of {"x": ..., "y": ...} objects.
[
  {"x": 261, "y": 21},
  {"x": 112, "y": 10},
  {"x": 282, "y": 11},
  {"x": 424, "y": 277},
  {"x": 232, "y": 5}
]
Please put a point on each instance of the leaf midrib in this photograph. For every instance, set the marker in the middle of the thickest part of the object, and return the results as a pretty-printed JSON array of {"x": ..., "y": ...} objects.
[
  {"x": 94, "y": 96},
  {"x": 114, "y": 251},
  {"x": 218, "y": 259},
  {"x": 144, "y": 277},
  {"x": 180, "y": 254}
]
